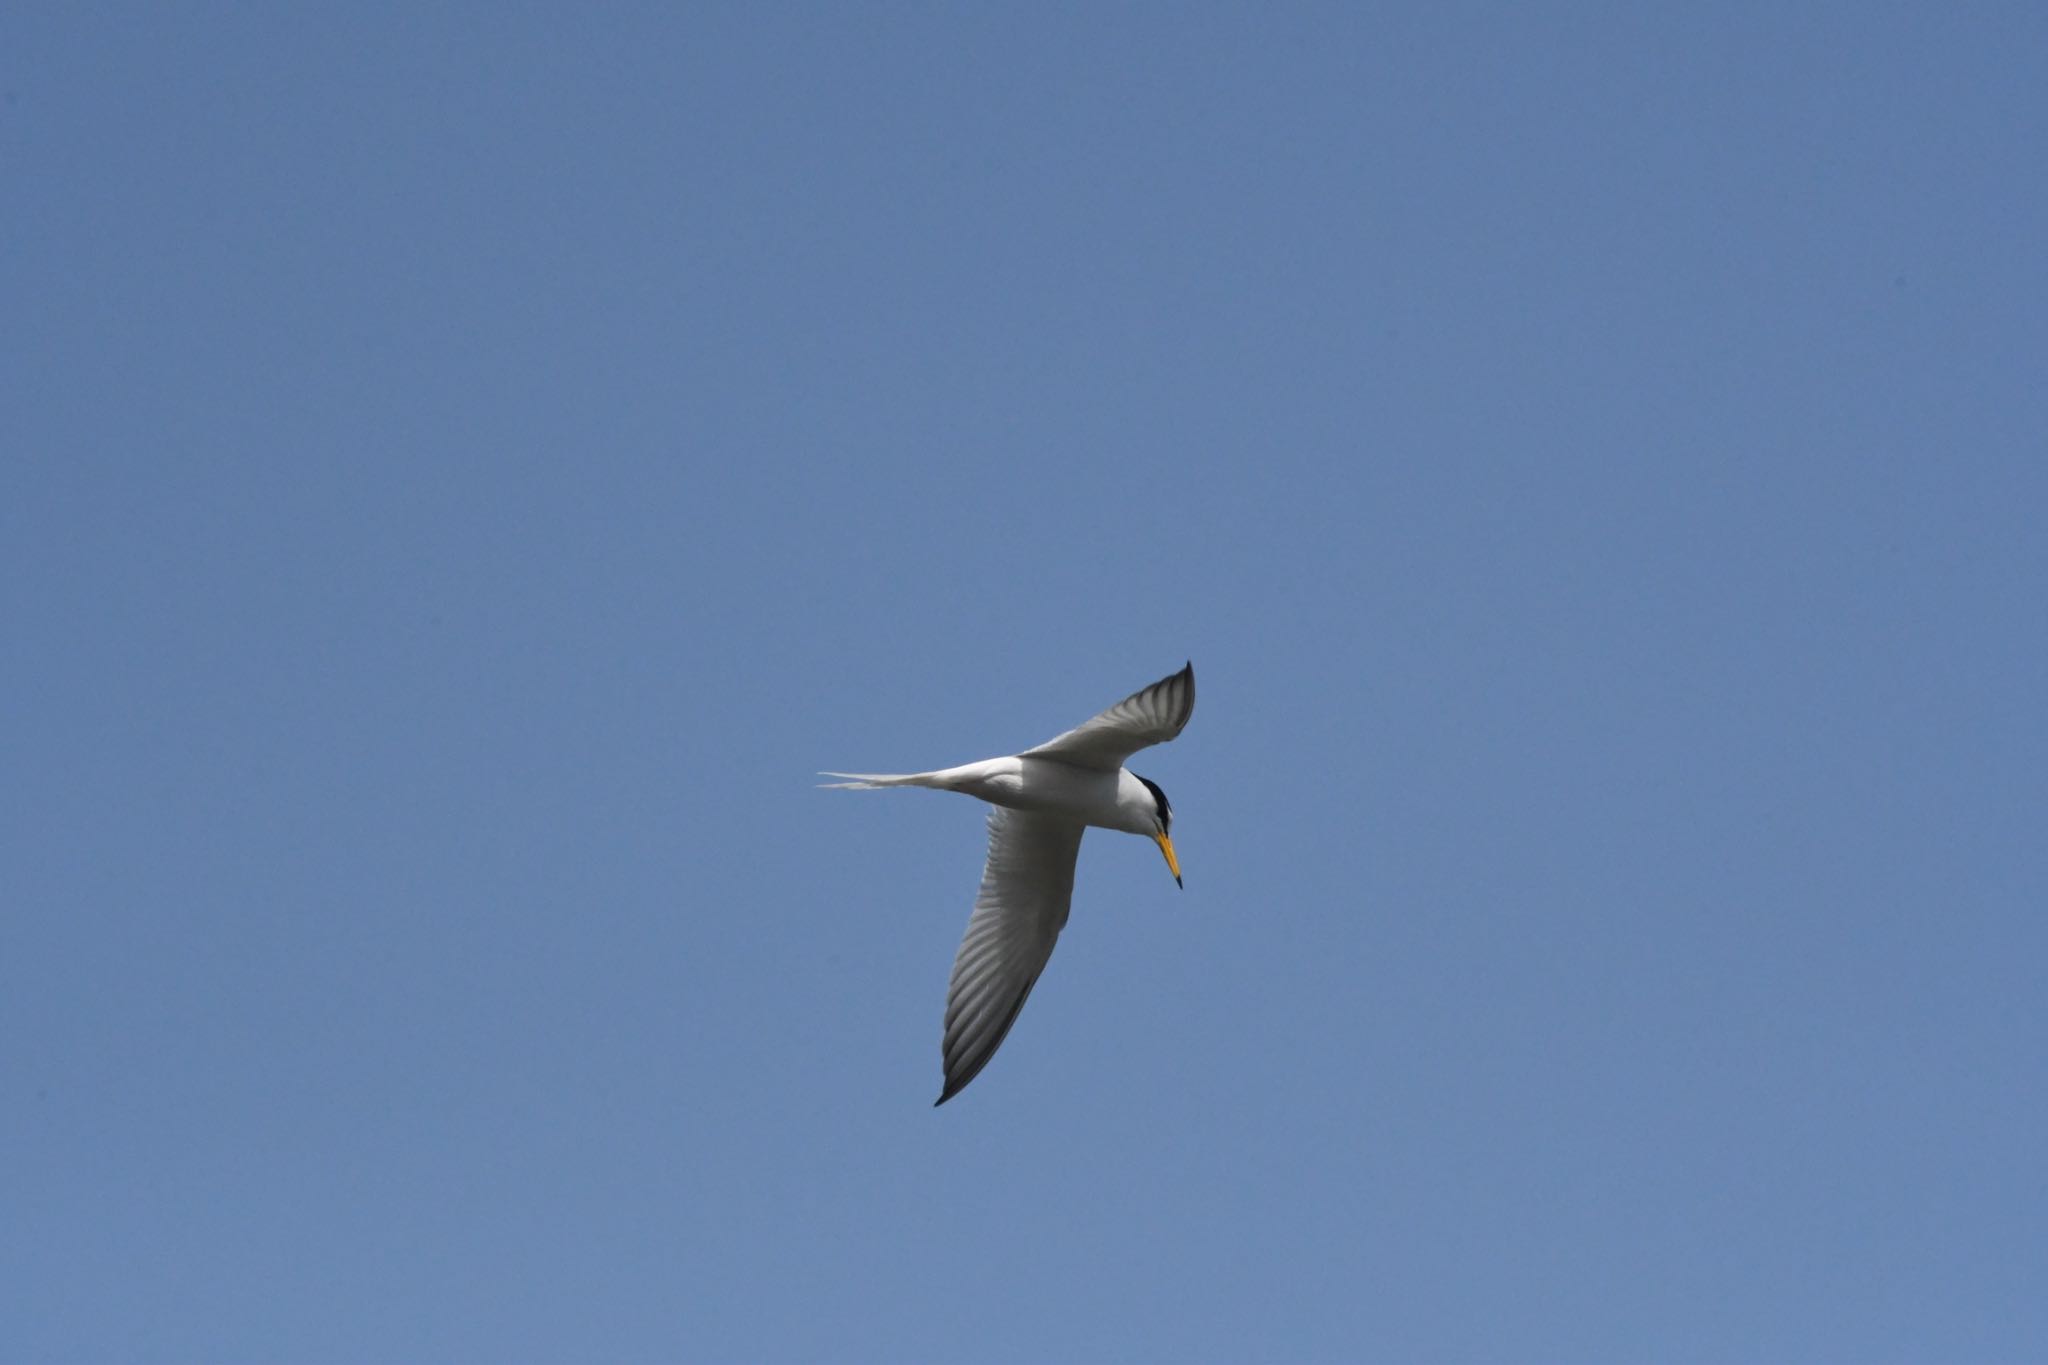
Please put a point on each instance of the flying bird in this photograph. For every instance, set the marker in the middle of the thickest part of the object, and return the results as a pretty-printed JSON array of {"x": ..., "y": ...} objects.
[{"x": 1044, "y": 798}]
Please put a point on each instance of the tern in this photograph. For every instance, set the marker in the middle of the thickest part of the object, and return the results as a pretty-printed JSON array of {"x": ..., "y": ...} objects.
[{"x": 1044, "y": 799}]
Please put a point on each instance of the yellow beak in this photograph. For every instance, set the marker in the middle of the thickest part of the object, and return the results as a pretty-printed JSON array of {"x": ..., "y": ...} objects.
[{"x": 1172, "y": 863}]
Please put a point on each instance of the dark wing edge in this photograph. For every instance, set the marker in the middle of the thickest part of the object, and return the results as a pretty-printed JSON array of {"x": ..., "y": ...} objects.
[{"x": 1026, "y": 890}]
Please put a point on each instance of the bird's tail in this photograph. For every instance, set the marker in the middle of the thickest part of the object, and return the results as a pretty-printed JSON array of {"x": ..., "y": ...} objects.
[{"x": 869, "y": 781}]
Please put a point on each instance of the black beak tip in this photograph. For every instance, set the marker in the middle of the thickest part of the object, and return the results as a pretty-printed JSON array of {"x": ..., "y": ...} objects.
[{"x": 1177, "y": 881}]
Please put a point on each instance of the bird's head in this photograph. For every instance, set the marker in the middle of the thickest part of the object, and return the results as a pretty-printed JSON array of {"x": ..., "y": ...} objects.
[{"x": 1162, "y": 833}]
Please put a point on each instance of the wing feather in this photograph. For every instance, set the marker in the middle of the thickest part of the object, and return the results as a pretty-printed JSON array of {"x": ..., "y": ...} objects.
[
  {"x": 1152, "y": 715},
  {"x": 1026, "y": 890}
]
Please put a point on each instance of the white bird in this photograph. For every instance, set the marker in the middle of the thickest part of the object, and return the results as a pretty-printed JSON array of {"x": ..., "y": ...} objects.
[{"x": 1044, "y": 798}]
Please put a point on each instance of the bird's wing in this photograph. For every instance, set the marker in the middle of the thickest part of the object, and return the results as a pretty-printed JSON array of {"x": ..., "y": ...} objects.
[
  {"x": 1150, "y": 716},
  {"x": 1025, "y": 891}
]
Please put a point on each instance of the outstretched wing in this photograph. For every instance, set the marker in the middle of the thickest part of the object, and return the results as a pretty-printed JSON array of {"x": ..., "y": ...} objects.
[
  {"x": 1025, "y": 892},
  {"x": 1152, "y": 716}
]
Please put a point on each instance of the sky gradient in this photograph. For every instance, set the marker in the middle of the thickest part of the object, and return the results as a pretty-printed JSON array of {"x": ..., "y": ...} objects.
[{"x": 464, "y": 469}]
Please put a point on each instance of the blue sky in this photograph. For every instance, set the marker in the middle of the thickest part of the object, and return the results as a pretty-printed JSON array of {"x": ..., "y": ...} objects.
[{"x": 466, "y": 469}]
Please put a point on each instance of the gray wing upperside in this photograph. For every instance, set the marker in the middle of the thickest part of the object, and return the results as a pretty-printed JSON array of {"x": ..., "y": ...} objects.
[{"x": 1151, "y": 715}]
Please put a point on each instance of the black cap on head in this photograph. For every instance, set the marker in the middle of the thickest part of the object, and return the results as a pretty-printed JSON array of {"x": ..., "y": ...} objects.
[{"x": 1165, "y": 806}]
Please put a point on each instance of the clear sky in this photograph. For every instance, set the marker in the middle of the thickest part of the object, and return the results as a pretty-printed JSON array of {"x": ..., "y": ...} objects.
[{"x": 463, "y": 469}]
